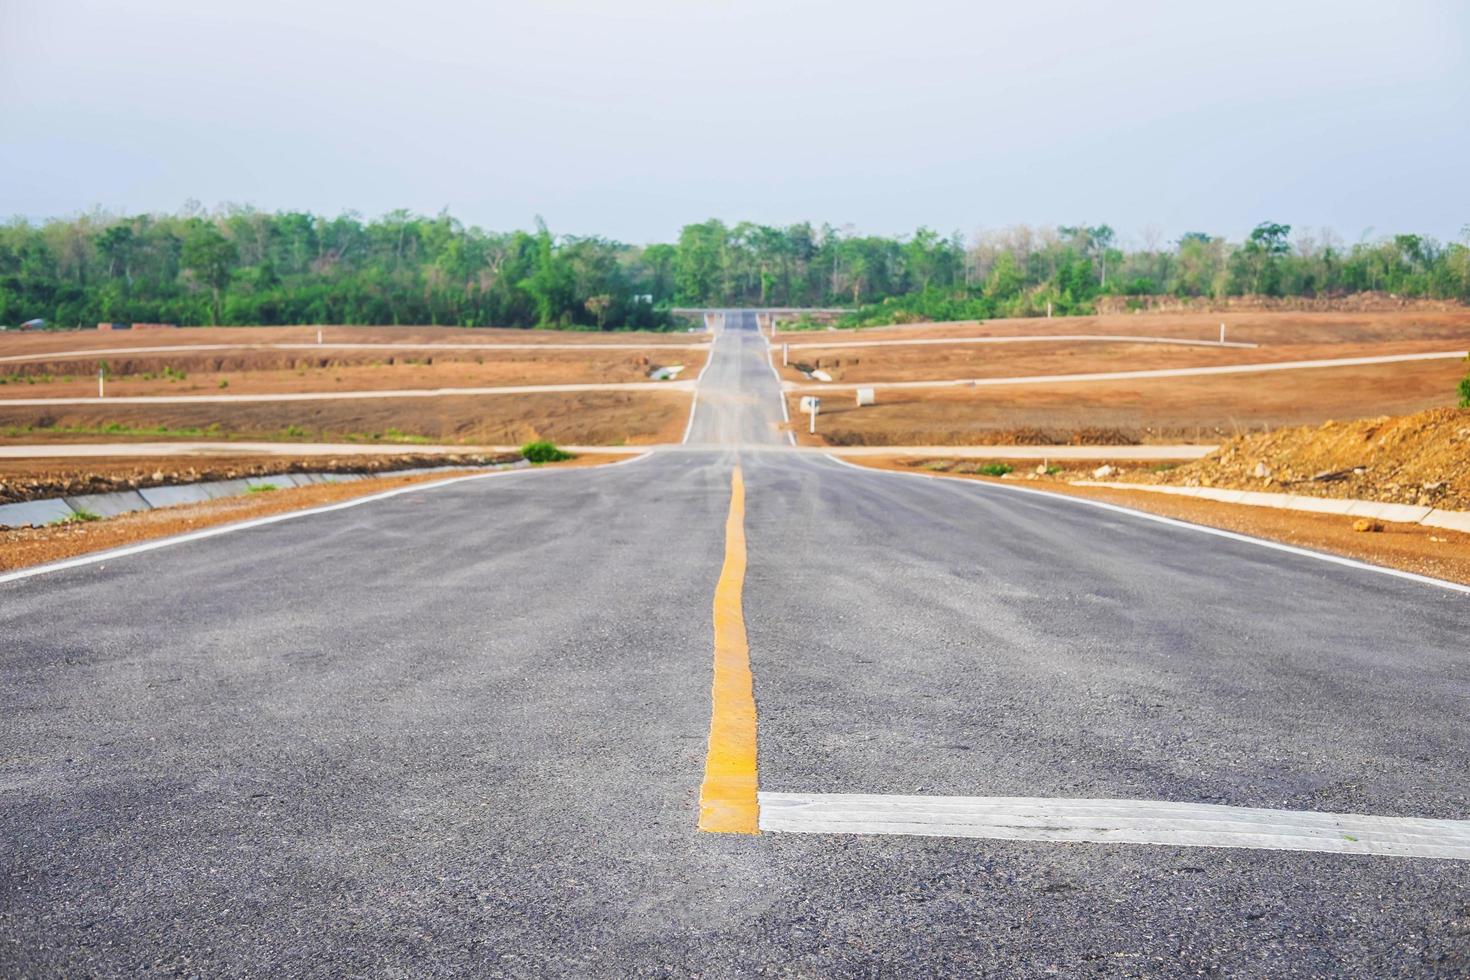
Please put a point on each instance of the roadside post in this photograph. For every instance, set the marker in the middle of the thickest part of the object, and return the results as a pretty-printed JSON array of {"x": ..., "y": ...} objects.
[
  {"x": 1222, "y": 331},
  {"x": 811, "y": 405},
  {"x": 100, "y": 375},
  {"x": 318, "y": 337},
  {"x": 785, "y": 354},
  {"x": 865, "y": 396}
]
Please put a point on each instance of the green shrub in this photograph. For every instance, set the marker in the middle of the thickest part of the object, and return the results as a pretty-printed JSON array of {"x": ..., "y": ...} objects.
[
  {"x": 995, "y": 469},
  {"x": 542, "y": 451},
  {"x": 1465, "y": 391},
  {"x": 261, "y": 488}
]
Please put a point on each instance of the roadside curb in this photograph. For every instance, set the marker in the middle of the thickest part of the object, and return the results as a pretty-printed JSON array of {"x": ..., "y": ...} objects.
[{"x": 1454, "y": 520}]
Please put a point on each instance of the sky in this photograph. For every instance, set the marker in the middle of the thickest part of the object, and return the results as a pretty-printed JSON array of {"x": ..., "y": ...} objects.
[{"x": 631, "y": 119}]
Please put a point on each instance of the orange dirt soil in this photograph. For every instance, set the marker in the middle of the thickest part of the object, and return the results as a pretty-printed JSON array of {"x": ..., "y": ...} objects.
[
  {"x": 273, "y": 372},
  {"x": 1254, "y": 327},
  {"x": 1419, "y": 459},
  {"x": 587, "y": 418},
  {"x": 66, "y": 340},
  {"x": 33, "y": 479},
  {"x": 1281, "y": 336},
  {"x": 1409, "y": 547},
  {"x": 1204, "y": 409},
  {"x": 23, "y": 547}
]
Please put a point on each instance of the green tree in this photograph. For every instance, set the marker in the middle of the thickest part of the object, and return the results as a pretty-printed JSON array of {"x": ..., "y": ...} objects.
[{"x": 211, "y": 257}]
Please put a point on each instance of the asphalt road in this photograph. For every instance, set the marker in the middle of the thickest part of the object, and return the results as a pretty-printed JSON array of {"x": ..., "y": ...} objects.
[{"x": 461, "y": 731}]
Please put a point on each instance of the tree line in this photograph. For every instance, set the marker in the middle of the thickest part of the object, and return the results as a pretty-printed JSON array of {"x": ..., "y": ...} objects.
[{"x": 244, "y": 266}]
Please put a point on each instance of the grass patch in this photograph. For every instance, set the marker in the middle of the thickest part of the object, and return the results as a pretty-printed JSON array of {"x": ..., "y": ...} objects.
[
  {"x": 1465, "y": 391},
  {"x": 261, "y": 488},
  {"x": 393, "y": 435},
  {"x": 543, "y": 451},
  {"x": 995, "y": 469},
  {"x": 83, "y": 516}
]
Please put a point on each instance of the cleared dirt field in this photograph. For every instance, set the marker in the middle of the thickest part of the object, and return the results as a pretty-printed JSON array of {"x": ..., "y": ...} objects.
[
  {"x": 16, "y": 343},
  {"x": 1279, "y": 336},
  {"x": 588, "y": 418},
  {"x": 1189, "y": 410},
  {"x": 1259, "y": 327},
  {"x": 262, "y": 372},
  {"x": 477, "y": 358}
]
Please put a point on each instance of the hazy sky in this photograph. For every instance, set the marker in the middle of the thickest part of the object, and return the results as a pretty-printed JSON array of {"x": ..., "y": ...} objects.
[{"x": 632, "y": 118}]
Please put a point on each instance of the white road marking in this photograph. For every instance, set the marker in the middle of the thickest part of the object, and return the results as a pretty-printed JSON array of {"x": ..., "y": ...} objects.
[
  {"x": 1032, "y": 379},
  {"x": 1172, "y": 522},
  {"x": 1025, "y": 339},
  {"x": 785, "y": 413},
  {"x": 210, "y": 532},
  {"x": 190, "y": 348},
  {"x": 1113, "y": 822}
]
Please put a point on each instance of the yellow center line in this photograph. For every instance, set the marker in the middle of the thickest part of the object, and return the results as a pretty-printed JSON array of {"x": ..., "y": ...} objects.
[{"x": 727, "y": 798}]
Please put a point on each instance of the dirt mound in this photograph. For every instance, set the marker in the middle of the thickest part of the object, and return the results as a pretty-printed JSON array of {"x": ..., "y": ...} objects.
[{"x": 1416, "y": 459}]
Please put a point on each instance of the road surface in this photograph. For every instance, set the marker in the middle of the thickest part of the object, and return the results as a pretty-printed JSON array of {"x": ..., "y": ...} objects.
[{"x": 464, "y": 730}]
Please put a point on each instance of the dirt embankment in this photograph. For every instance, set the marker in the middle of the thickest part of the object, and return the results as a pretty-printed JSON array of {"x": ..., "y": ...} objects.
[
  {"x": 33, "y": 479},
  {"x": 1422, "y": 459}
]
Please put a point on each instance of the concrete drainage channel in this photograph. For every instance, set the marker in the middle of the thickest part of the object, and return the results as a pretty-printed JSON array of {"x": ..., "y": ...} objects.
[{"x": 52, "y": 509}]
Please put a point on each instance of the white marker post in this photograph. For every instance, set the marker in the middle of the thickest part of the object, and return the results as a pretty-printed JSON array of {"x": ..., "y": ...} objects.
[
  {"x": 816, "y": 406},
  {"x": 785, "y": 354},
  {"x": 1222, "y": 332},
  {"x": 99, "y": 383},
  {"x": 318, "y": 337}
]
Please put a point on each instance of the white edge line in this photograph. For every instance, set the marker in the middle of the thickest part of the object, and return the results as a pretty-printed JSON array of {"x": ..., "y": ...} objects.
[
  {"x": 780, "y": 387},
  {"x": 1174, "y": 522},
  {"x": 210, "y": 532}
]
